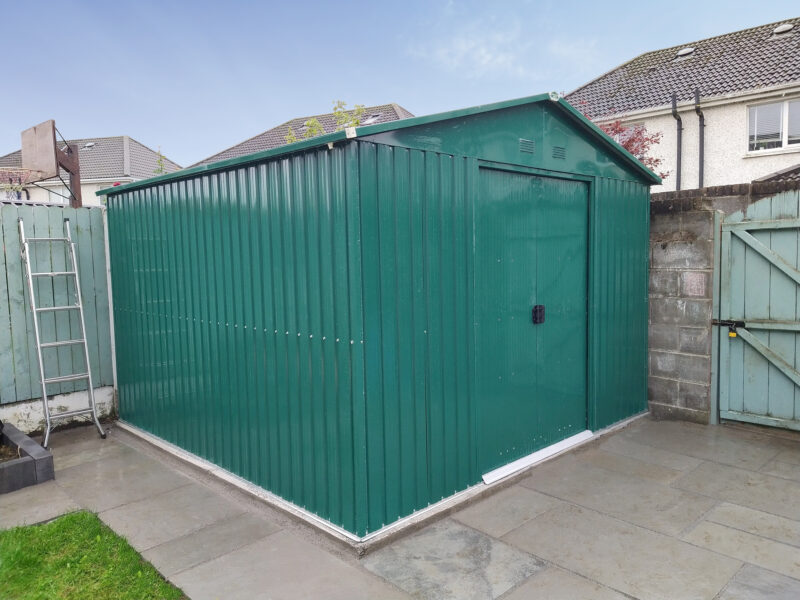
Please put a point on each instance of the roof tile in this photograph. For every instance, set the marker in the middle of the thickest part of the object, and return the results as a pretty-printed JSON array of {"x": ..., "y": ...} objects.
[
  {"x": 745, "y": 60},
  {"x": 272, "y": 138}
]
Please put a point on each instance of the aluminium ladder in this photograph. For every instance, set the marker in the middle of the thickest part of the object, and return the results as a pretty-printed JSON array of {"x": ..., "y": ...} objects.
[{"x": 71, "y": 271}]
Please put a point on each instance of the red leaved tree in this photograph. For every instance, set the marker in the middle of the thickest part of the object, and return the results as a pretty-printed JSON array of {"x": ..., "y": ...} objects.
[
  {"x": 634, "y": 138},
  {"x": 638, "y": 141}
]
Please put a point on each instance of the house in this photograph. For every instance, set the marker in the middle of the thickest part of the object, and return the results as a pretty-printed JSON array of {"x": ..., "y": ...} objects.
[
  {"x": 104, "y": 161},
  {"x": 748, "y": 97},
  {"x": 272, "y": 138}
]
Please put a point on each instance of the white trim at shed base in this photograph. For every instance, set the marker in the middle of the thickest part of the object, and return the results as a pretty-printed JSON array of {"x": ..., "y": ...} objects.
[{"x": 537, "y": 457}]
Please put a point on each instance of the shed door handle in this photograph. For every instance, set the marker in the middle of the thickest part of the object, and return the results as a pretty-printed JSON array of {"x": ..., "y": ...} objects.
[{"x": 537, "y": 314}]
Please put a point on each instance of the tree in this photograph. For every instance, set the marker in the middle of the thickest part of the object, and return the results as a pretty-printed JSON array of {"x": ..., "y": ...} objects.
[
  {"x": 161, "y": 167},
  {"x": 634, "y": 138},
  {"x": 638, "y": 141},
  {"x": 342, "y": 116},
  {"x": 347, "y": 118}
]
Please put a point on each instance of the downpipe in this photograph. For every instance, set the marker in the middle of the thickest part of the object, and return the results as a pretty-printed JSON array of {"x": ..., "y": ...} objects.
[
  {"x": 679, "y": 126},
  {"x": 701, "y": 134}
]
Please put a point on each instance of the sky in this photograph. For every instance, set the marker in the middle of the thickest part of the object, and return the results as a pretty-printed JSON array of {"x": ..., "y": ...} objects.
[{"x": 194, "y": 78}]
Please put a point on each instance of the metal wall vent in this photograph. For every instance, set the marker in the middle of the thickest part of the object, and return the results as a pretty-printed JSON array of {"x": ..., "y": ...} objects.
[
  {"x": 559, "y": 152},
  {"x": 528, "y": 146}
]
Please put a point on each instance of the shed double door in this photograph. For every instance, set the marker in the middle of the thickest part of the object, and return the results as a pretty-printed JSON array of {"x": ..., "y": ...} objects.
[{"x": 531, "y": 246}]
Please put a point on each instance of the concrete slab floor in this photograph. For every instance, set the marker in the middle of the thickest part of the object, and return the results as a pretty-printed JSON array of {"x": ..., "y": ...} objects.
[{"x": 658, "y": 510}]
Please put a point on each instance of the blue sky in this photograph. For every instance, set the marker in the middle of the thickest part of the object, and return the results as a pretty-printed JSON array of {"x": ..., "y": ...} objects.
[{"x": 197, "y": 77}]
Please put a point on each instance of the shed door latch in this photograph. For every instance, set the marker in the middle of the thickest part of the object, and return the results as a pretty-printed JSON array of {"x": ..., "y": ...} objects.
[
  {"x": 537, "y": 314},
  {"x": 731, "y": 325}
]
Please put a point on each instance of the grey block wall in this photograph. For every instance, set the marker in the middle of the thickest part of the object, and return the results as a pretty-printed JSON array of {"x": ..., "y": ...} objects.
[{"x": 681, "y": 295}]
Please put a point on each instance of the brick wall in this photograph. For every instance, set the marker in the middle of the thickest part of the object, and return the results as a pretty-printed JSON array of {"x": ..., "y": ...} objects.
[{"x": 682, "y": 241}]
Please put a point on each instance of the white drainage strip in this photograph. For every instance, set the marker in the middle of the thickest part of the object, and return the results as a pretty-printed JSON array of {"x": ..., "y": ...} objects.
[{"x": 538, "y": 456}]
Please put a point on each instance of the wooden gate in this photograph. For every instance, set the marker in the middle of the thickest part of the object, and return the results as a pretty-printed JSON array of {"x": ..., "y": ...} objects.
[{"x": 759, "y": 313}]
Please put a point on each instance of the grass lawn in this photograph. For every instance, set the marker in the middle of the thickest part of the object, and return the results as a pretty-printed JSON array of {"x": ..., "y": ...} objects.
[{"x": 75, "y": 556}]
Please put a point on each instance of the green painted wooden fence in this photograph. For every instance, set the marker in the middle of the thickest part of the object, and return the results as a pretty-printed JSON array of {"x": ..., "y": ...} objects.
[
  {"x": 759, "y": 366},
  {"x": 19, "y": 375}
]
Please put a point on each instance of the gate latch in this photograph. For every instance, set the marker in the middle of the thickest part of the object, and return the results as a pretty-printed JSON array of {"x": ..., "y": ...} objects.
[
  {"x": 537, "y": 314},
  {"x": 731, "y": 325}
]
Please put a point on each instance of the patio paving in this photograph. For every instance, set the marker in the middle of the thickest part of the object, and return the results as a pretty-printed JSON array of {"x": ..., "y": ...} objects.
[{"x": 658, "y": 510}]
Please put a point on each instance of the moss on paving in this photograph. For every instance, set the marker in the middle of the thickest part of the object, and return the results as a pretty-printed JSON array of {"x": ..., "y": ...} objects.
[{"x": 76, "y": 556}]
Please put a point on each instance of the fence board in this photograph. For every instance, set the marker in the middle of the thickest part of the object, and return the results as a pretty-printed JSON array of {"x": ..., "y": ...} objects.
[{"x": 19, "y": 376}]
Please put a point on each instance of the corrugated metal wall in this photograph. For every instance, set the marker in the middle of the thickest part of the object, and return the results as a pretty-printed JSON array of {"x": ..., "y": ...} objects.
[
  {"x": 19, "y": 372},
  {"x": 238, "y": 312},
  {"x": 619, "y": 257},
  {"x": 417, "y": 244}
]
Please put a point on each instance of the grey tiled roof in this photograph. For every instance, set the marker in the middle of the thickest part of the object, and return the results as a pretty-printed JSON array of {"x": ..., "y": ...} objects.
[
  {"x": 745, "y": 60},
  {"x": 272, "y": 138},
  {"x": 790, "y": 174},
  {"x": 106, "y": 159}
]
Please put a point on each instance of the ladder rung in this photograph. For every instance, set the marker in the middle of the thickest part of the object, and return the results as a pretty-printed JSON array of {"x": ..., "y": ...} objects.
[
  {"x": 52, "y": 308},
  {"x": 52, "y": 273},
  {"x": 62, "y": 378},
  {"x": 61, "y": 343},
  {"x": 71, "y": 413},
  {"x": 56, "y": 239}
]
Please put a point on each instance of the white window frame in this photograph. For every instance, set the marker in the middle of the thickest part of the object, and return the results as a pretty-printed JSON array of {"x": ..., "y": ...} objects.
[{"x": 785, "y": 146}]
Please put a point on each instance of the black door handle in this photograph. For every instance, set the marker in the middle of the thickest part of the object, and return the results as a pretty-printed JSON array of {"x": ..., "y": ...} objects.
[{"x": 537, "y": 314}]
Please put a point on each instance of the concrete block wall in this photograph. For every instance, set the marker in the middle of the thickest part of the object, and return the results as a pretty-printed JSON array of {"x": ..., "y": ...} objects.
[
  {"x": 681, "y": 296},
  {"x": 682, "y": 244}
]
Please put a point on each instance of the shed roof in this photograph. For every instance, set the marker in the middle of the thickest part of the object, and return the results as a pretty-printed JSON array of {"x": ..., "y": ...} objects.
[
  {"x": 272, "y": 138},
  {"x": 746, "y": 60},
  {"x": 584, "y": 124},
  {"x": 789, "y": 174}
]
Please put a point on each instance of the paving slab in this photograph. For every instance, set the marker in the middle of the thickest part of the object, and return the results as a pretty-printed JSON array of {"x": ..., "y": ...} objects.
[
  {"x": 34, "y": 504},
  {"x": 756, "y": 522},
  {"x": 208, "y": 543},
  {"x": 620, "y": 444},
  {"x": 633, "y": 499},
  {"x": 717, "y": 444},
  {"x": 746, "y": 488},
  {"x": 557, "y": 584},
  {"x": 87, "y": 447},
  {"x": 627, "y": 465},
  {"x": 173, "y": 514},
  {"x": 282, "y": 566},
  {"x": 786, "y": 470},
  {"x": 103, "y": 484},
  {"x": 506, "y": 510},
  {"x": 790, "y": 453},
  {"x": 450, "y": 560},
  {"x": 754, "y": 583},
  {"x": 624, "y": 557},
  {"x": 747, "y": 547}
]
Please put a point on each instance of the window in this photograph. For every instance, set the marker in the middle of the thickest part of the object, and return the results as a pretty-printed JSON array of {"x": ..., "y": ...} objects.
[
  {"x": 775, "y": 125},
  {"x": 793, "y": 126}
]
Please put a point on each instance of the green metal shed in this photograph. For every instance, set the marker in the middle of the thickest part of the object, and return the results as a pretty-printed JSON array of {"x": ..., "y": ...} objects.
[{"x": 348, "y": 321}]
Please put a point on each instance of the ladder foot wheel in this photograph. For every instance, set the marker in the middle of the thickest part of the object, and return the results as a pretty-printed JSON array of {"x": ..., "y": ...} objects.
[{"x": 103, "y": 436}]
